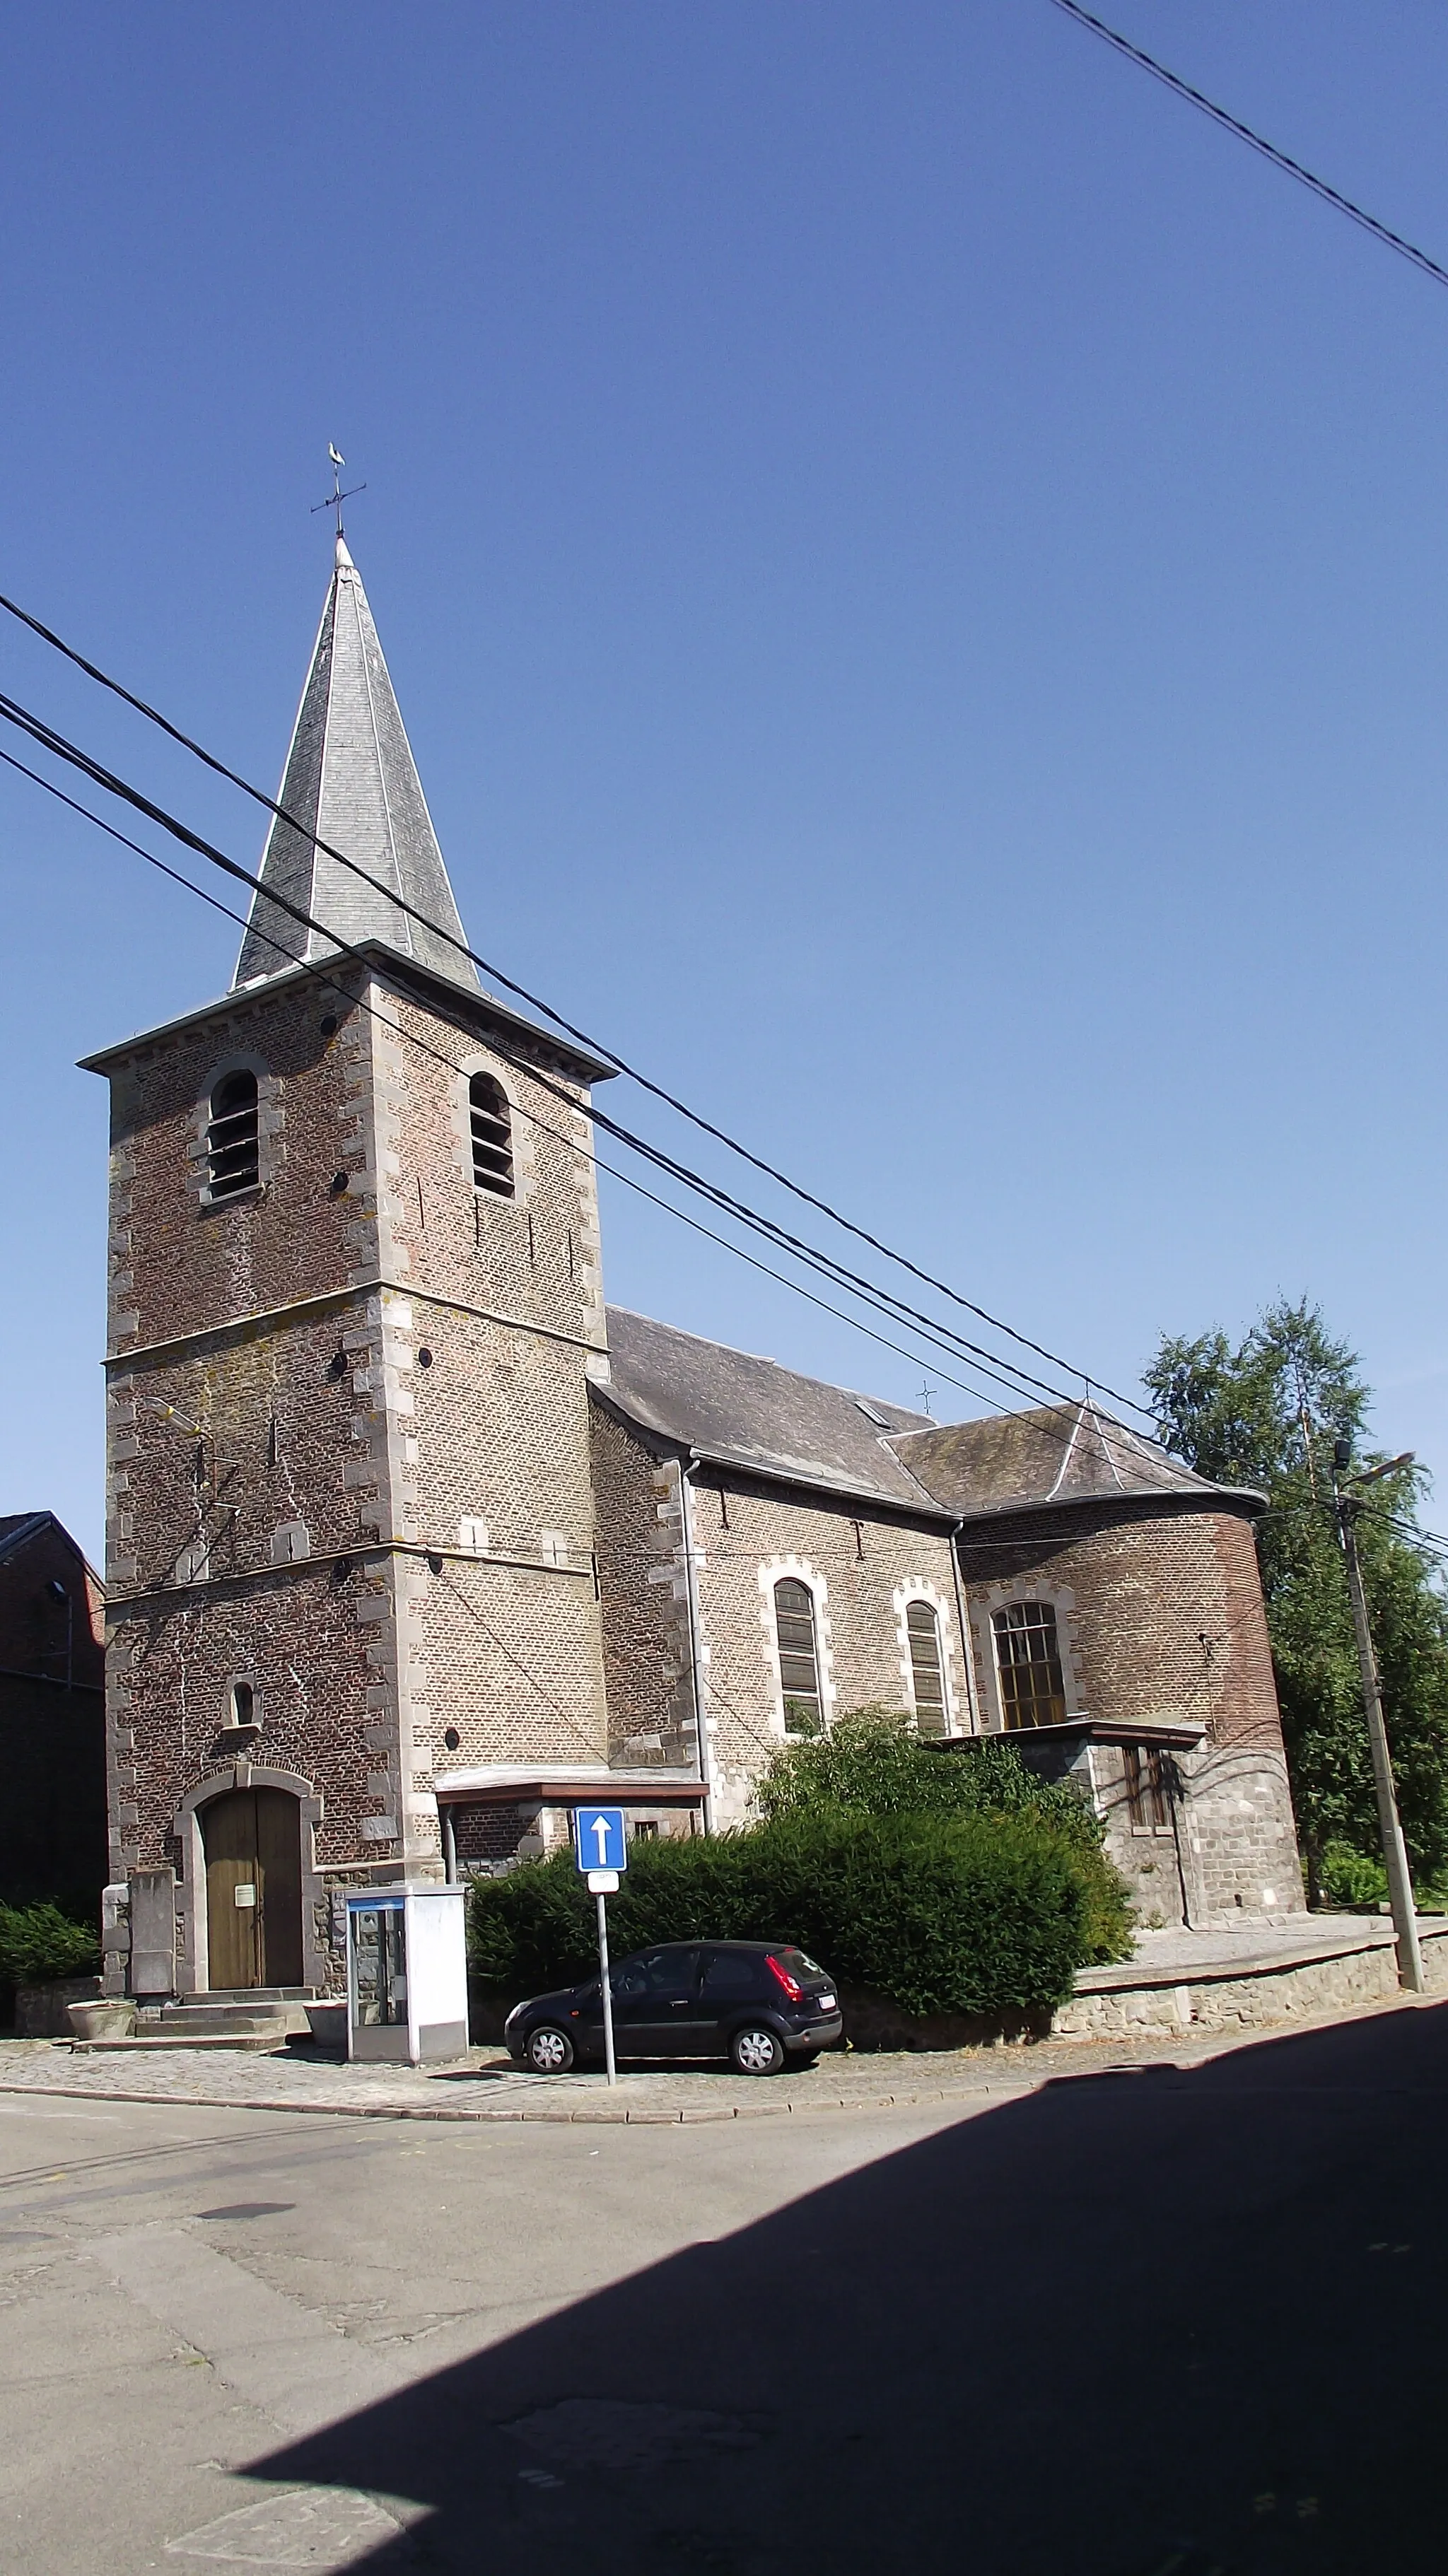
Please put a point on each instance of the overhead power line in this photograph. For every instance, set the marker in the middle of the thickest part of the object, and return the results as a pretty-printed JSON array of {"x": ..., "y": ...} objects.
[
  {"x": 942, "y": 1336},
  {"x": 1145, "y": 1467},
  {"x": 520, "y": 1064},
  {"x": 1247, "y": 134},
  {"x": 581, "y": 1037}
]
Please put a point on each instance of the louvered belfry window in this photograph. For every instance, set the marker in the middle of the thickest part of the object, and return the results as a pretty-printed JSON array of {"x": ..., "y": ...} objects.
[
  {"x": 233, "y": 1138},
  {"x": 926, "y": 1673},
  {"x": 1028, "y": 1659},
  {"x": 492, "y": 1136},
  {"x": 799, "y": 1669}
]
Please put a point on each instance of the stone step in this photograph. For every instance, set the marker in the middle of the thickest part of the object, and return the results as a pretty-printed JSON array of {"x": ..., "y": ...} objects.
[
  {"x": 273, "y": 2035},
  {"x": 247, "y": 1995},
  {"x": 230, "y": 2021},
  {"x": 217, "y": 2014}
]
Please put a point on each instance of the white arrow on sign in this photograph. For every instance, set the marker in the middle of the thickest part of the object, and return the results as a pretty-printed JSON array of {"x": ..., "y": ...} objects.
[{"x": 600, "y": 1827}]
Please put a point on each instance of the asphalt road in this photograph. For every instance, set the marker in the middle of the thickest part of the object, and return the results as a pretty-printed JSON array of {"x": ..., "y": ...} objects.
[{"x": 1153, "y": 2323}]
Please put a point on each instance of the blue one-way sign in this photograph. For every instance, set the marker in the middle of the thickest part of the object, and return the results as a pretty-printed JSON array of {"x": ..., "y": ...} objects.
[{"x": 601, "y": 1840}]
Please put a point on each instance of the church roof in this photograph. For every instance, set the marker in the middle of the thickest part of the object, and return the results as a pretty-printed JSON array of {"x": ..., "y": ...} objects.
[
  {"x": 350, "y": 778},
  {"x": 1054, "y": 1454},
  {"x": 751, "y": 1414}
]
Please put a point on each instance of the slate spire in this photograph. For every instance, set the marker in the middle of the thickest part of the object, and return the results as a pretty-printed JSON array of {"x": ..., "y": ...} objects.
[{"x": 351, "y": 778}]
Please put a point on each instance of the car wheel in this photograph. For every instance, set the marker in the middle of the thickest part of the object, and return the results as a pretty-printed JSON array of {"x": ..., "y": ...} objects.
[
  {"x": 549, "y": 2051},
  {"x": 756, "y": 2051}
]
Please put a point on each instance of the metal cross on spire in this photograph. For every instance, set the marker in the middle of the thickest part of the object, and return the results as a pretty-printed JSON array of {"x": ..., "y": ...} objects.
[{"x": 337, "y": 496}]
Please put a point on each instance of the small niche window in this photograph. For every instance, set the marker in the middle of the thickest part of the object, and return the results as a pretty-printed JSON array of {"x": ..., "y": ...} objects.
[
  {"x": 1148, "y": 1787},
  {"x": 492, "y": 1130},
  {"x": 927, "y": 1674},
  {"x": 1028, "y": 1660},
  {"x": 799, "y": 1667},
  {"x": 233, "y": 1138},
  {"x": 243, "y": 1704}
]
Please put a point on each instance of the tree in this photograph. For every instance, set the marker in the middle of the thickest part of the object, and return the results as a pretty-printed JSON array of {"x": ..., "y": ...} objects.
[{"x": 1266, "y": 1414}]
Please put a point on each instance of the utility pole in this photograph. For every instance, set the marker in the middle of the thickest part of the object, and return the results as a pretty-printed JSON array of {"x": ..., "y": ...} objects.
[{"x": 1395, "y": 1855}]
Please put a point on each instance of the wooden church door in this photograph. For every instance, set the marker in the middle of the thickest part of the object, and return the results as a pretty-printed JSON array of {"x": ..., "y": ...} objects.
[{"x": 253, "y": 1848}]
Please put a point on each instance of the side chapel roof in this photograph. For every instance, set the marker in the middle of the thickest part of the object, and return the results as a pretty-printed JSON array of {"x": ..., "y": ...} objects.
[
  {"x": 1055, "y": 1453},
  {"x": 350, "y": 777}
]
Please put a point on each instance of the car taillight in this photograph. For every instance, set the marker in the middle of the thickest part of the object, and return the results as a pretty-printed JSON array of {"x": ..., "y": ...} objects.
[{"x": 791, "y": 1985}]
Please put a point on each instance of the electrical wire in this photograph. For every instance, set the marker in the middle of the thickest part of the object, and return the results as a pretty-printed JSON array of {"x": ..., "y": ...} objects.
[
  {"x": 535, "y": 1002},
  {"x": 1015, "y": 1380},
  {"x": 1247, "y": 134},
  {"x": 50, "y": 739},
  {"x": 330, "y": 983}
]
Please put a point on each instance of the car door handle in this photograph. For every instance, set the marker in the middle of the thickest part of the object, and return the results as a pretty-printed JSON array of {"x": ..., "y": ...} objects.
[{"x": 681, "y": 2003}]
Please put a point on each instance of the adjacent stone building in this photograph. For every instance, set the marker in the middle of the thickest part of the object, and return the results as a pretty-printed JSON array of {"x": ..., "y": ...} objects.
[
  {"x": 52, "y": 1737},
  {"x": 412, "y": 1545}
]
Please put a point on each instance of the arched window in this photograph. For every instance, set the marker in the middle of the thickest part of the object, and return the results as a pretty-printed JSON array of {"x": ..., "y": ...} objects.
[
  {"x": 799, "y": 1665},
  {"x": 233, "y": 1138},
  {"x": 1028, "y": 1660},
  {"x": 243, "y": 1704},
  {"x": 492, "y": 1136},
  {"x": 927, "y": 1674}
]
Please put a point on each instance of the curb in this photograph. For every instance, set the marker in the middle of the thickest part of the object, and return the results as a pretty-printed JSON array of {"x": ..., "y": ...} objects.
[{"x": 582, "y": 2117}]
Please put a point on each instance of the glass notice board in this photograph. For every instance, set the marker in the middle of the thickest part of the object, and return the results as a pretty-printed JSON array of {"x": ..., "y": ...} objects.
[{"x": 379, "y": 1966}]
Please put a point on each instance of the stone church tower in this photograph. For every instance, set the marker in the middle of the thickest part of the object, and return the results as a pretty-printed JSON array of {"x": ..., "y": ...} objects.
[{"x": 355, "y": 1304}]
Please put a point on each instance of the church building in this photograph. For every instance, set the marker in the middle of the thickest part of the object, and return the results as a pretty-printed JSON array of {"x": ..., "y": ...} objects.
[{"x": 413, "y": 1543}]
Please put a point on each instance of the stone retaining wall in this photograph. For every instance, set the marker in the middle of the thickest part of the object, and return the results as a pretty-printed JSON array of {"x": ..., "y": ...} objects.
[{"x": 1247, "y": 1997}]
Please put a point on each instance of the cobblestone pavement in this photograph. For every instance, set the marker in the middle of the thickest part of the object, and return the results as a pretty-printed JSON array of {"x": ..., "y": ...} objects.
[{"x": 487, "y": 2086}]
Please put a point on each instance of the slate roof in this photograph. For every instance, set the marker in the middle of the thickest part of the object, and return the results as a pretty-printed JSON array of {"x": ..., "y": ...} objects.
[
  {"x": 350, "y": 777},
  {"x": 16, "y": 1528},
  {"x": 754, "y": 1415},
  {"x": 1054, "y": 1454}
]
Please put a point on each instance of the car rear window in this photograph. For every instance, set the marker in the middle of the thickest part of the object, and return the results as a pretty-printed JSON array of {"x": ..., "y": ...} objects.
[{"x": 799, "y": 1965}]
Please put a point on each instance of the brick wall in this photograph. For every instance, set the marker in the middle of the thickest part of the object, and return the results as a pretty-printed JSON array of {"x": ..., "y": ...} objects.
[
  {"x": 348, "y": 1422},
  {"x": 861, "y": 1564},
  {"x": 643, "y": 1582},
  {"x": 1161, "y": 1621}
]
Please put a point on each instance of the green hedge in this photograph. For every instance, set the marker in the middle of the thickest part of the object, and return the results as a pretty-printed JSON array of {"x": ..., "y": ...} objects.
[
  {"x": 38, "y": 1942},
  {"x": 873, "y": 1763},
  {"x": 969, "y": 1913}
]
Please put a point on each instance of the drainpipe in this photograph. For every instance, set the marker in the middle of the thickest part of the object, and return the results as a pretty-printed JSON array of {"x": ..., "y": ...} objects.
[
  {"x": 1174, "y": 1804},
  {"x": 967, "y": 1660},
  {"x": 696, "y": 1665},
  {"x": 449, "y": 1844}
]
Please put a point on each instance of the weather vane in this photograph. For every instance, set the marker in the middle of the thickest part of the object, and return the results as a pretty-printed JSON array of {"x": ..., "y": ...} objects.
[
  {"x": 927, "y": 1395},
  {"x": 337, "y": 496}
]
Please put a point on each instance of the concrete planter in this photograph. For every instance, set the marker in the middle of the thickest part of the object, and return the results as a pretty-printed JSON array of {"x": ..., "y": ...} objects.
[{"x": 107, "y": 2017}]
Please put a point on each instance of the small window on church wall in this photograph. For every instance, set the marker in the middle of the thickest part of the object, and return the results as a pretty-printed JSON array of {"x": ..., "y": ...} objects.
[
  {"x": 243, "y": 1704},
  {"x": 799, "y": 1669},
  {"x": 1148, "y": 1787},
  {"x": 233, "y": 1138},
  {"x": 1028, "y": 1660},
  {"x": 927, "y": 1676},
  {"x": 492, "y": 1136}
]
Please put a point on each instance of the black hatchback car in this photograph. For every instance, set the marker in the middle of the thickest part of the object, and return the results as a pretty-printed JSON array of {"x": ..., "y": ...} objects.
[{"x": 761, "y": 2004}]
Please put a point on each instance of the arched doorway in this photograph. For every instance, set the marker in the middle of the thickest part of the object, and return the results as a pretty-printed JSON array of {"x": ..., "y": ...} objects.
[{"x": 253, "y": 1844}]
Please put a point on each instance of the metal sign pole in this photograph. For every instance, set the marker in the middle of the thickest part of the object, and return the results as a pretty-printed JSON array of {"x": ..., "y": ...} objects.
[{"x": 601, "y": 1901}]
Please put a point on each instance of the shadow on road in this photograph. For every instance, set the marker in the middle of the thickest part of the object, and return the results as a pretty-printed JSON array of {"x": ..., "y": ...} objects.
[{"x": 1148, "y": 2322}]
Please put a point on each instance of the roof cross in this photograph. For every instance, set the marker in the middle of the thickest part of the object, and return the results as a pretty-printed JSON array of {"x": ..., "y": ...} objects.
[{"x": 337, "y": 496}]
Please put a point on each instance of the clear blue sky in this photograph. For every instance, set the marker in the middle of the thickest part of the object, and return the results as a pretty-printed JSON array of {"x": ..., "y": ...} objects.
[{"x": 916, "y": 571}]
